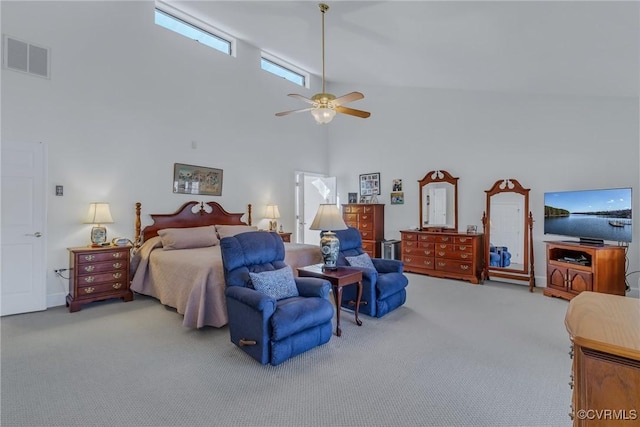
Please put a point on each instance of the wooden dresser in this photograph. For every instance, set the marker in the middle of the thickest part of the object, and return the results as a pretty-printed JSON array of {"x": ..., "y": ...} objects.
[
  {"x": 369, "y": 220},
  {"x": 97, "y": 274},
  {"x": 605, "y": 335},
  {"x": 443, "y": 254}
]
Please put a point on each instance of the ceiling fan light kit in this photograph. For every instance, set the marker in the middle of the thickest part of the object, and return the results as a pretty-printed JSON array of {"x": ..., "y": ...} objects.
[{"x": 325, "y": 105}]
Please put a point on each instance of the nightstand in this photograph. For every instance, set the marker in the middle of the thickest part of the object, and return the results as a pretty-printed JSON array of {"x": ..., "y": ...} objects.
[
  {"x": 286, "y": 237},
  {"x": 97, "y": 274}
]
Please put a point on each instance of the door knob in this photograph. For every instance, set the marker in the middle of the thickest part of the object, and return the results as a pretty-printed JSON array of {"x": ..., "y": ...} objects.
[{"x": 36, "y": 234}]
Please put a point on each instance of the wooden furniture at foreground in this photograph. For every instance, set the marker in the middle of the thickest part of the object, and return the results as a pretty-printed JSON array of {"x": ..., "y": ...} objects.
[
  {"x": 368, "y": 218},
  {"x": 605, "y": 335},
  {"x": 443, "y": 254},
  {"x": 98, "y": 273},
  {"x": 573, "y": 268}
]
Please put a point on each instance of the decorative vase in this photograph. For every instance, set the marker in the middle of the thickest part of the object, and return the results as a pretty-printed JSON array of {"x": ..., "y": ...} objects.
[{"x": 330, "y": 246}]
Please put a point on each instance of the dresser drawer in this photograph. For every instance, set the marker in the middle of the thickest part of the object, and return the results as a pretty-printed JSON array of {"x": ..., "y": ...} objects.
[
  {"x": 368, "y": 209},
  {"x": 103, "y": 288},
  {"x": 100, "y": 267},
  {"x": 94, "y": 279},
  {"x": 427, "y": 238},
  {"x": 102, "y": 256},
  {"x": 409, "y": 237},
  {"x": 463, "y": 240},
  {"x": 368, "y": 246},
  {"x": 454, "y": 266},
  {"x": 353, "y": 209},
  {"x": 350, "y": 217},
  {"x": 367, "y": 235},
  {"x": 418, "y": 261}
]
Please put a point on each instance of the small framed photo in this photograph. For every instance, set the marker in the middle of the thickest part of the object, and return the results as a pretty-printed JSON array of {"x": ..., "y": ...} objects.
[
  {"x": 472, "y": 229},
  {"x": 396, "y": 185},
  {"x": 370, "y": 184},
  {"x": 353, "y": 197},
  {"x": 397, "y": 198}
]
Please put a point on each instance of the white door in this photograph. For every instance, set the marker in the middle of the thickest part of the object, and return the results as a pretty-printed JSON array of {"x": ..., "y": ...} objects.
[
  {"x": 311, "y": 191},
  {"x": 23, "y": 284}
]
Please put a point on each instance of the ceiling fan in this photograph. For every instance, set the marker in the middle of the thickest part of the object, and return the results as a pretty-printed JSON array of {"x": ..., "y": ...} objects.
[{"x": 324, "y": 106}]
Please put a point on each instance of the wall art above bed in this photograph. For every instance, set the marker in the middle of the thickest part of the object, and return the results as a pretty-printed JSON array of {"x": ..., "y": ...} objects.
[{"x": 190, "y": 179}]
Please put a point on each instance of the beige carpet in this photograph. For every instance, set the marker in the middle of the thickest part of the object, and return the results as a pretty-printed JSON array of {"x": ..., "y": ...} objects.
[{"x": 455, "y": 355}]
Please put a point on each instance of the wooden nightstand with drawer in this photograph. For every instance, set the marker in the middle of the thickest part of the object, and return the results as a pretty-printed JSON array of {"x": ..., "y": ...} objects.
[{"x": 98, "y": 274}]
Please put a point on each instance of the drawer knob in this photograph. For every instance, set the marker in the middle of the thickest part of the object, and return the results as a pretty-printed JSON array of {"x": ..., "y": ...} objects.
[
  {"x": 464, "y": 256},
  {"x": 463, "y": 239},
  {"x": 441, "y": 253},
  {"x": 89, "y": 290},
  {"x": 117, "y": 285},
  {"x": 89, "y": 279},
  {"x": 407, "y": 259},
  {"x": 117, "y": 275},
  {"x": 89, "y": 268},
  {"x": 89, "y": 257},
  {"x": 464, "y": 267},
  {"x": 117, "y": 254},
  {"x": 442, "y": 264},
  {"x": 117, "y": 264},
  {"x": 463, "y": 248},
  {"x": 443, "y": 246}
]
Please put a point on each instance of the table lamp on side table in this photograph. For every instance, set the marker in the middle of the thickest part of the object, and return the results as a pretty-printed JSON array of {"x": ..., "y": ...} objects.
[
  {"x": 328, "y": 219},
  {"x": 272, "y": 214},
  {"x": 99, "y": 213}
]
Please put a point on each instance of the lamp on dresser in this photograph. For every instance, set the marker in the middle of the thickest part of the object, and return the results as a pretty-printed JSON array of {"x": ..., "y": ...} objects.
[
  {"x": 99, "y": 213},
  {"x": 328, "y": 219},
  {"x": 272, "y": 214}
]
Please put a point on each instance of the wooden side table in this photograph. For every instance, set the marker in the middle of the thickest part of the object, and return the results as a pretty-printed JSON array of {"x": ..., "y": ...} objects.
[
  {"x": 98, "y": 274},
  {"x": 339, "y": 278},
  {"x": 286, "y": 236}
]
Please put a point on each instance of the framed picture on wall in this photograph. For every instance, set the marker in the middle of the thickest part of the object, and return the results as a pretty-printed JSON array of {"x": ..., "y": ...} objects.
[
  {"x": 190, "y": 179},
  {"x": 370, "y": 184}
]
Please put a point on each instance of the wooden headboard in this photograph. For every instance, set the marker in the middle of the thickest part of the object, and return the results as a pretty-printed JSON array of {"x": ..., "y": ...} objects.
[{"x": 210, "y": 213}]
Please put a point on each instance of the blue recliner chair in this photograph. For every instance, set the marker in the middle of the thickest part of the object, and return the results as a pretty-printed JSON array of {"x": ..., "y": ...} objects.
[
  {"x": 272, "y": 315},
  {"x": 383, "y": 287}
]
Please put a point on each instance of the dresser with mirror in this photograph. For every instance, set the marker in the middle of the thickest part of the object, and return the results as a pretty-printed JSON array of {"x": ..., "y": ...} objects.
[{"x": 437, "y": 248}]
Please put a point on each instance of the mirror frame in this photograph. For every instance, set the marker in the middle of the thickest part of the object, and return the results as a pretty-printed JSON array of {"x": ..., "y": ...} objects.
[
  {"x": 510, "y": 185},
  {"x": 440, "y": 176}
]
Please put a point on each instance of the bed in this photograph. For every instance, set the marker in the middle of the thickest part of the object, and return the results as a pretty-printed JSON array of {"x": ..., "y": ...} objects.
[{"x": 177, "y": 260}]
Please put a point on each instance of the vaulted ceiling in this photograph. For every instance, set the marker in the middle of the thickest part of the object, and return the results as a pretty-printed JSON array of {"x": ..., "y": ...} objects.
[{"x": 552, "y": 47}]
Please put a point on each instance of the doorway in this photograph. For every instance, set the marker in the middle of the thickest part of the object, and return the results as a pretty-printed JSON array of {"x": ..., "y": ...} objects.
[
  {"x": 312, "y": 190},
  {"x": 22, "y": 255}
]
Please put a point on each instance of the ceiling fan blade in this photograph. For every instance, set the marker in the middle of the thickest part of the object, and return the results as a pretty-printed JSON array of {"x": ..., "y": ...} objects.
[
  {"x": 284, "y": 113},
  {"x": 350, "y": 97},
  {"x": 352, "y": 112},
  {"x": 301, "y": 98}
]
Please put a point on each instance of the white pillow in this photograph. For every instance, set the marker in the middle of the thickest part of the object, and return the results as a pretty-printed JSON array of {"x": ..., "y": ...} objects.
[
  {"x": 362, "y": 260},
  {"x": 232, "y": 230},
  {"x": 186, "y": 238},
  {"x": 277, "y": 284}
]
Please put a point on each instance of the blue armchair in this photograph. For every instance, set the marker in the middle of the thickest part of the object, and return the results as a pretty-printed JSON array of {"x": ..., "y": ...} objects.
[
  {"x": 272, "y": 315},
  {"x": 383, "y": 287}
]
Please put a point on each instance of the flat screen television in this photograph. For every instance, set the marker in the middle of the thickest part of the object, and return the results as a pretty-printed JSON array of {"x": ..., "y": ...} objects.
[{"x": 591, "y": 215}]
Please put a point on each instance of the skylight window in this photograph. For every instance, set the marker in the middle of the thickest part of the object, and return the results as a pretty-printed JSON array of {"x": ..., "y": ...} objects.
[
  {"x": 282, "y": 69},
  {"x": 182, "y": 23}
]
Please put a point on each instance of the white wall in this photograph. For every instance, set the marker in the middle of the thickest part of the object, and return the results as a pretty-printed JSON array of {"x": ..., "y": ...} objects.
[
  {"x": 547, "y": 143},
  {"x": 126, "y": 99}
]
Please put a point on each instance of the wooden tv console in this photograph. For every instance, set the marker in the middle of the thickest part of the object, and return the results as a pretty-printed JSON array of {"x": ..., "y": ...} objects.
[{"x": 573, "y": 267}]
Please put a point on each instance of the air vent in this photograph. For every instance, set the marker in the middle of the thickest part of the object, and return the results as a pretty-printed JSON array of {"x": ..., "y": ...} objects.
[{"x": 25, "y": 57}]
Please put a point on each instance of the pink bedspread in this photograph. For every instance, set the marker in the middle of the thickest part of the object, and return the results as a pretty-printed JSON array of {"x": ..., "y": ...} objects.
[{"x": 192, "y": 280}]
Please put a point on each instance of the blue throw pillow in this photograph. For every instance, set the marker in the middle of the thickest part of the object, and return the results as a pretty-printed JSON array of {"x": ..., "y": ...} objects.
[
  {"x": 277, "y": 284},
  {"x": 362, "y": 260}
]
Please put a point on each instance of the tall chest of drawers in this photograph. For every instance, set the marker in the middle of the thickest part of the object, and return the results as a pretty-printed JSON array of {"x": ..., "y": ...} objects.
[
  {"x": 368, "y": 218},
  {"x": 443, "y": 254},
  {"x": 97, "y": 274}
]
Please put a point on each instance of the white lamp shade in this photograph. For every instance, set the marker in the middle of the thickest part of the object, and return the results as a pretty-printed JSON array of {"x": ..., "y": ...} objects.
[
  {"x": 323, "y": 114},
  {"x": 99, "y": 213},
  {"x": 328, "y": 218},
  {"x": 272, "y": 212}
]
